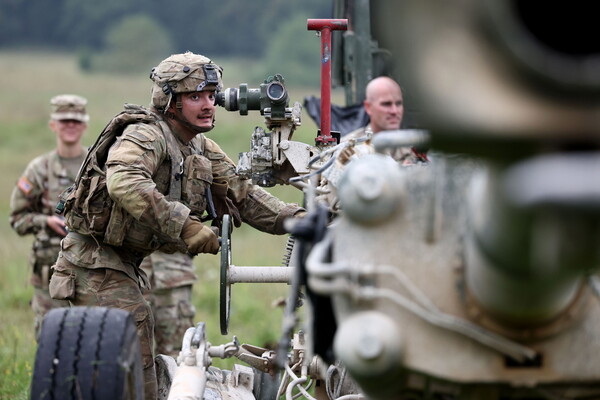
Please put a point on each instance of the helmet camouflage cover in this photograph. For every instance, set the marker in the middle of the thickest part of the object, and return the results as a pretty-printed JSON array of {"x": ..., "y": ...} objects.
[
  {"x": 183, "y": 73},
  {"x": 69, "y": 106}
]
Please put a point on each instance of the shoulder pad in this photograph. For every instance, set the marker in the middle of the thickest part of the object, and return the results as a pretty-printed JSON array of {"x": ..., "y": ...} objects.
[
  {"x": 143, "y": 132},
  {"x": 210, "y": 146},
  {"x": 212, "y": 151}
]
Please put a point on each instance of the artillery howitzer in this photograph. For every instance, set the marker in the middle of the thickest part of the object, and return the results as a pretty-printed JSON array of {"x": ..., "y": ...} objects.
[
  {"x": 472, "y": 277},
  {"x": 478, "y": 279}
]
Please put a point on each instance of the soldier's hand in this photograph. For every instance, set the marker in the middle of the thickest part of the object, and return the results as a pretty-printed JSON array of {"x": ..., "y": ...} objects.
[
  {"x": 223, "y": 204},
  {"x": 199, "y": 238},
  {"x": 300, "y": 214},
  {"x": 57, "y": 224},
  {"x": 345, "y": 154}
]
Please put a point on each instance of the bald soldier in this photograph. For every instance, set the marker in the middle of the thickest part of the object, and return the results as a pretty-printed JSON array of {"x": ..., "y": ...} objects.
[
  {"x": 161, "y": 176},
  {"x": 384, "y": 104},
  {"x": 35, "y": 196}
]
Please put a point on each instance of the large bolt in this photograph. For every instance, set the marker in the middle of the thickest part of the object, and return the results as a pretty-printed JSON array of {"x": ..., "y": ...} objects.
[
  {"x": 370, "y": 344},
  {"x": 371, "y": 189}
]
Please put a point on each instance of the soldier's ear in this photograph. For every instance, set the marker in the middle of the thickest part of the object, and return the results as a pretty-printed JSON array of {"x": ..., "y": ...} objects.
[
  {"x": 367, "y": 107},
  {"x": 52, "y": 125}
]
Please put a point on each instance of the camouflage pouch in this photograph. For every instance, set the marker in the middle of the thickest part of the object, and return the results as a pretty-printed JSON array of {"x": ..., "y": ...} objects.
[
  {"x": 117, "y": 226},
  {"x": 62, "y": 285},
  {"x": 88, "y": 208},
  {"x": 197, "y": 177}
]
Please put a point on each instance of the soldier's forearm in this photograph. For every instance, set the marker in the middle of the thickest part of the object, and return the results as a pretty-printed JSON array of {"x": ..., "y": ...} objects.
[
  {"x": 27, "y": 223},
  {"x": 266, "y": 212},
  {"x": 139, "y": 197}
]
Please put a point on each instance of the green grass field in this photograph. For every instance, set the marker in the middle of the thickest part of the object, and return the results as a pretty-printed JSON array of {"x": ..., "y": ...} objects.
[{"x": 28, "y": 81}]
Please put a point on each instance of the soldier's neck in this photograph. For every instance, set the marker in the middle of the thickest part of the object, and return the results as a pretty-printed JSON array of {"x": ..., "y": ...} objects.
[
  {"x": 184, "y": 134},
  {"x": 69, "y": 150}
]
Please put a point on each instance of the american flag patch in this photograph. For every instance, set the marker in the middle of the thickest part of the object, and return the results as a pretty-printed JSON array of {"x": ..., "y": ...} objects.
[{"x": 24, "y": 185}]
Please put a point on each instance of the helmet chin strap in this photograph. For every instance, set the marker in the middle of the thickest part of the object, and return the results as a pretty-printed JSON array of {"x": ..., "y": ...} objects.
[{"x": 178, "y": 116}]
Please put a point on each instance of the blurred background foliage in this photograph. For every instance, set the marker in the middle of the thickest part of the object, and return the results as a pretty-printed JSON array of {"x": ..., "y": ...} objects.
[{"x": 129, "y": 36}]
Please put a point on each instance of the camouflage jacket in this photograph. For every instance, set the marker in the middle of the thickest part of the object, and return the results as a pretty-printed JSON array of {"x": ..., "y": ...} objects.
[
  {"x": 404, "y": 155},
  {"x": 34, "y": 199},
  {"x": 138, "y": 178}
]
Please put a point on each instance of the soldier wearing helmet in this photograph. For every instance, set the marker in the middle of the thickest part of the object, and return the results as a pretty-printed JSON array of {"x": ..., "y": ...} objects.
[
  {"x": 161, "y": 176},
  {"x": 36, "y": 193}
]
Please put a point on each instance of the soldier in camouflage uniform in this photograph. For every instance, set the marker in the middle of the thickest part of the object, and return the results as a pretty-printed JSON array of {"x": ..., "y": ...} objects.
[
  {"x": 171, "y": 278},
  {"x": 34, "y": 198},
  {"x": 384, "y": 104},
  {"x": 161, "y": 173}
]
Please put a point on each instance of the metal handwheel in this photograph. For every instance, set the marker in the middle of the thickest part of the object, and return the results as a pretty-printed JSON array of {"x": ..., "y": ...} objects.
[
  {"x": 231, "y": 274},
  {"x": 225, "y": 286}
]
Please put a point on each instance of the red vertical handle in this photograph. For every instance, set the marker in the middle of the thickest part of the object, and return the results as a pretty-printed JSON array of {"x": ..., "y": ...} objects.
[{"x": 325, "y": 26}]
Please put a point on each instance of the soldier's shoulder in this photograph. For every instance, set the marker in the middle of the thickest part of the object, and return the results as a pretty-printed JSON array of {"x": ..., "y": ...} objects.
[
  {"x": 214, "y": 152},
  {"x": 210, "y": 146},
  {"x": 35, "y": 173},
  {"x": 147, "y": 132},
  {"x": 355, "y": 134},
  {"x": 41, "y": 161}
]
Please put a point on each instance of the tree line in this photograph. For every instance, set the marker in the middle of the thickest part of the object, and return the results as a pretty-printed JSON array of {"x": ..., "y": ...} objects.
[{"x": 108, "y": 29}]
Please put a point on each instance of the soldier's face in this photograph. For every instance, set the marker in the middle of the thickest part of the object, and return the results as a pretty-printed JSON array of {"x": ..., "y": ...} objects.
[
  {"x": 68, "y": 131},
  {"x": 199, "y": 108},
  {"x": 386, "y": 110}
]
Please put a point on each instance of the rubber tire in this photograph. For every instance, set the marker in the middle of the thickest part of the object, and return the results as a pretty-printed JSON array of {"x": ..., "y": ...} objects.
[{"x": 88, "y": 353}]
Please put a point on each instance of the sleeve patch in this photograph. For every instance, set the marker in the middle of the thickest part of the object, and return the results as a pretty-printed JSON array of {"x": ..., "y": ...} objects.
[{"x": 24, "y": 185}]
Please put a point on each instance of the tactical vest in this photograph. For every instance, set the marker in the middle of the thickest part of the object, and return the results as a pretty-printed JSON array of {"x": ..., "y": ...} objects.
[{"x": 89, "y": 210}]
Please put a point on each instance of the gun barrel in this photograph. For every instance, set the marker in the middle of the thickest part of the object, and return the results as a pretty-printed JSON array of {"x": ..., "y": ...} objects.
[
  {"x": 532, "y": 238},
  {"x": 490, "y": 75}
]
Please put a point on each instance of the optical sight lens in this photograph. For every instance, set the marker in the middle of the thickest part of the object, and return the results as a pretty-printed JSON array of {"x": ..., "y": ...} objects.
[{"x": 275, "y": 91}]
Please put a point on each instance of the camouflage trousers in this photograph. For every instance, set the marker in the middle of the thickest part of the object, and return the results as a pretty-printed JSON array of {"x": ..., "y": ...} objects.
[
  {"x": 173, "y": 314},
  {"x": 111, "y": 288},
  {"x": 41, "y": 303}
]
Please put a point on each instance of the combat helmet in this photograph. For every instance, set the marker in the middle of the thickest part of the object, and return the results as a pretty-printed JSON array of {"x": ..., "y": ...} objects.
[{"x": 183, "y": 73}]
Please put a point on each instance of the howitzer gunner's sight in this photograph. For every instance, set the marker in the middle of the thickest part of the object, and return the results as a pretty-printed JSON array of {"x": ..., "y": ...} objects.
[{"x": 271, "y": 98}]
